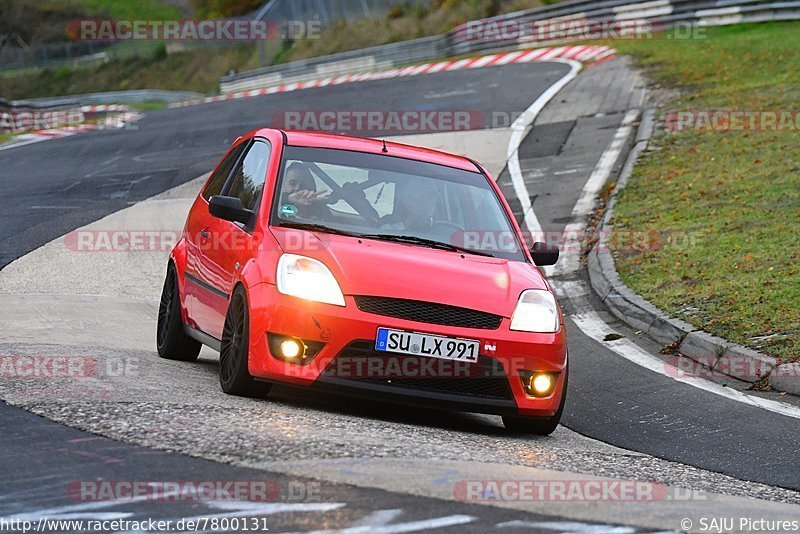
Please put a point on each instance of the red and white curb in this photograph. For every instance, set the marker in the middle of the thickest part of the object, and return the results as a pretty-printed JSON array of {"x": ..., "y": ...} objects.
[
  {"x": 579, "y": 53},
  {"x": 114, "y": 122},
  {"x": 104, "y": 108}
]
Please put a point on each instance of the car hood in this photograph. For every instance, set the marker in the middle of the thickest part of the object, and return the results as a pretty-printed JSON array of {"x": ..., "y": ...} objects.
[{"x": 381, "y": 268}]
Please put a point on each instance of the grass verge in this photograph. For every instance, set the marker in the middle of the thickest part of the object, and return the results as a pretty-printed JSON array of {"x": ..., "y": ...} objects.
[
  {"x": 200, "y": 69},
  {"x": 124, "y": 9},
  {"x": 403, "y": 22},
  {"x": 726, "y": 203},
  {"x": 196, "y": 70}
]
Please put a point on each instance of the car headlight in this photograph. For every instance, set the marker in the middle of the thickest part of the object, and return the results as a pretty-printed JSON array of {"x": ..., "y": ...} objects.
[
  {"x": 536, "y": 311},
  {"x": 307, "y": 278}
]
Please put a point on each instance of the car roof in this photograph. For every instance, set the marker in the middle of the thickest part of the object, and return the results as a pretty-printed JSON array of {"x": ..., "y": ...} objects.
[{"x": 375, "y": 146}]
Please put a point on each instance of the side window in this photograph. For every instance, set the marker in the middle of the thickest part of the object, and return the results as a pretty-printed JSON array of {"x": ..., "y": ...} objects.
[
  {"x": 214, "y": 186},
  {"x": 247, "y": 181}
]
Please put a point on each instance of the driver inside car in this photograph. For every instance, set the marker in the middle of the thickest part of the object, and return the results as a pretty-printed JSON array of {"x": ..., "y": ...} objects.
[
  {"x": 416, "y": 206},
  {"x": 300, "y": 190}
]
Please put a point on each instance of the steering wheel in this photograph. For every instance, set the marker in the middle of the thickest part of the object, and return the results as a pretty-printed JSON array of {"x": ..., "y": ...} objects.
[
  {"x": 350, "y": 192},
  {"x": 448, "y": 224}
]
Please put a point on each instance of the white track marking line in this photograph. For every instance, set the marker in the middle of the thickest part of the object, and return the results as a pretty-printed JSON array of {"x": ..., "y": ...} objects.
[
  {"x": 596, "y": 328},
  {"x": 518, "y": 130},
  {"x": 587, "y": 319},
  {"x": 379, "y": 518},
  {"x": 411, "y": 526},
  {"x": 23, "y": 143},
  {"x": 573, "y": 527},
  {"x": 570, "y": 262},
  {"x": 249, "y": 509}
]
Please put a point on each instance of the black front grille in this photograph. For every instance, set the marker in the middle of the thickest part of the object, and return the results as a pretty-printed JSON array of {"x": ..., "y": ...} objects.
[
  {"x": 429, "y": 312},
  {"x": 360, "y": 363}
]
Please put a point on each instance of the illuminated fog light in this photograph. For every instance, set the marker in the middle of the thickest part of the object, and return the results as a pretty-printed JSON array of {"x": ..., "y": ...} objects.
[
  {"x": 538, "y": 383},
  {"x": 291, "y": 348},
  {"x": 541, "y": 383}
]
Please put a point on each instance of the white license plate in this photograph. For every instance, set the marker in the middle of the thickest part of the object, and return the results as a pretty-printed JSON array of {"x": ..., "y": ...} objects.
[{"x": 448, "y": 348}]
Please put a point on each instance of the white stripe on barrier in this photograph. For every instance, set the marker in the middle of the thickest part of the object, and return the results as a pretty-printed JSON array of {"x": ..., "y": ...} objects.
[
  {"x": 459, "y": 64},
  {"x": 439, "y": 66},
  {"x": 533, "y": 54},
  {"x": 419, "y": 69},
  {"x": 573, "y": 53},
  {"x": 508, "y": 58},
  {"x": 482, "y": 61},
  {"x": 552, "y": 54}
]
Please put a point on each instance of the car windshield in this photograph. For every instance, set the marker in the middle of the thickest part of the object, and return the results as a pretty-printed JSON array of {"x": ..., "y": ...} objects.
[{"x": 397, "y": 199}]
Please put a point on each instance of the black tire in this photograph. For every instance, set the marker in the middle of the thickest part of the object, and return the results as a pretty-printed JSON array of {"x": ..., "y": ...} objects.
[
  {"x": 171, "y": 341},
  {"x": 540, "y": 426},
  {"x": 234, "y": 378}
]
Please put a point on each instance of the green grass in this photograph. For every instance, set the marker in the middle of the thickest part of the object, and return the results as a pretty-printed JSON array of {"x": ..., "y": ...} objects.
[
  {"x": 734, "y": 197},
  {"x": 194, "y": 70},
  {"x": 148, "y": 106},
  {"x": 404, "y": 22},
  {"x": 125, "y": 9},
  {"x": 200, "y": 69}
]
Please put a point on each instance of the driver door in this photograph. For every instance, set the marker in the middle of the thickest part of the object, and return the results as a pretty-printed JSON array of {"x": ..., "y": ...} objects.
[{"x": 225, "y": 246}]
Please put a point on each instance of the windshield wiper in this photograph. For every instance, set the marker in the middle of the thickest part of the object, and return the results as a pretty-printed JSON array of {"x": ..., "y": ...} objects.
[
  {"x": 414, "y": 240},
  {"x": 410, "y": 239},
  {"x": 313, "y": 227}
]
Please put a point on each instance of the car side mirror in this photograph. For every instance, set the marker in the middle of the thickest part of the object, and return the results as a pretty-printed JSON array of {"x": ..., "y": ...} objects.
[
  {"x": 544, "y": 254},
  {"x": 229, "y": 208}
]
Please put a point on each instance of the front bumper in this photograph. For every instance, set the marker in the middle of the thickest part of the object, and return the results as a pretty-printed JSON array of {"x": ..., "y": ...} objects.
[{"x": 348, "y": 334}]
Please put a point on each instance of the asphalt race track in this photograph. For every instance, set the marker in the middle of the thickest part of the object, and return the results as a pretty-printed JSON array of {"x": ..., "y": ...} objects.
[
  {"x": 381, "y": 464},
  {"x": 59, "y": 186}
]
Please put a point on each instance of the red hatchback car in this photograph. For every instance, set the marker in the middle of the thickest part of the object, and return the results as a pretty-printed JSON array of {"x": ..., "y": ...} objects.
[{"x": 378, "y": 269}]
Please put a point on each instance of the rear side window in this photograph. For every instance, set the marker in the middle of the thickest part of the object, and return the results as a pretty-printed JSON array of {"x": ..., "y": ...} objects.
[
  {"x": 247, "y": 181},
  {"x": 217, "y": 181}
]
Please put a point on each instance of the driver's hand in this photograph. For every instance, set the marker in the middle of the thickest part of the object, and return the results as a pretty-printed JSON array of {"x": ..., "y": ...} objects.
[
  {"x": 353, "y": 188},
  {"x": 306, "y": 197}
]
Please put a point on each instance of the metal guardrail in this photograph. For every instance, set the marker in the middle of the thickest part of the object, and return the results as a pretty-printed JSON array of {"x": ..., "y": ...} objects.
[
  {"x": 459, "y": 41},
  {"x": 367, "y": 59}
]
